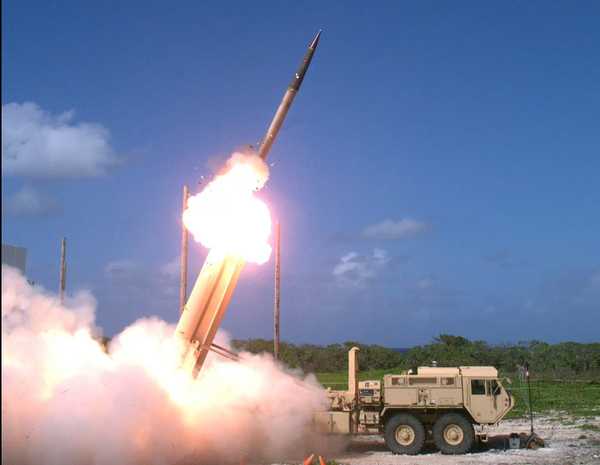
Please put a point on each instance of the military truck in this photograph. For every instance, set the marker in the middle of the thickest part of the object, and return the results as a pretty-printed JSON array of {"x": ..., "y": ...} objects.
[{"x": 449, "y": 405}]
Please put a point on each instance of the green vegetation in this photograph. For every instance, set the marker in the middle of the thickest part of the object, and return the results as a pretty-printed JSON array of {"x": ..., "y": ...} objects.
[
  {"x": 590, "y": 427},
  {"x": 567, "y": 360},
  {"x": 578, "y": 398},
  {"x": 333, "y": 357},
  {"x": 565, "y": 376}
]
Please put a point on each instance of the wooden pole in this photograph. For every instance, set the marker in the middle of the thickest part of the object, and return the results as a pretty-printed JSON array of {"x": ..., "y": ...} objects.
[
  {"x": 184, "y": 255},
  {"x": 63, "y": 270},
  {"x": 276, "y": 307}
]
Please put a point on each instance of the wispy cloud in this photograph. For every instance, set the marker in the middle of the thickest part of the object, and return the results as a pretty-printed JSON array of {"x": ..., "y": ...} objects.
[
  {"x": 117, "y": 268},
  {"x": 29, "y": 202},
  {"x": 140, "y": 279},
  {"x": 36, "y": 143},
  {"x": 594, "y": 281},
  {"x": 355, "y": 270},
  {"x": 395, "y": 229},
  {"x": 504, "y": 259},
  {"x": 172, "y": 268},
  {"x": 425, "y": 283}
]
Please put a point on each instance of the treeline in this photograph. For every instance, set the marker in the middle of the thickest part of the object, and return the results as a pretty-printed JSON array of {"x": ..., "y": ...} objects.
[
  {"x": 333, "y": 357},
  {"x": 556, "y": 360}
]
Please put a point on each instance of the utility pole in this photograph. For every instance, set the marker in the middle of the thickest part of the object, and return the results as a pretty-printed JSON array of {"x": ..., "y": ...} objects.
[
  {"x": 276, "y": 307},
  {"x": 184, "y": 254},
  {"x": 63, "y": 270}
]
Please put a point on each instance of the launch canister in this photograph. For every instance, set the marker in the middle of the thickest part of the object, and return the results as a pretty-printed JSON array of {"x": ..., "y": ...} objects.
[{"x": 287, "y": 100}]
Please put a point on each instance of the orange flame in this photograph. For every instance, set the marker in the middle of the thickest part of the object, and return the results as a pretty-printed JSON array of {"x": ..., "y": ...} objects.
[{"x": 228, "y": 217}]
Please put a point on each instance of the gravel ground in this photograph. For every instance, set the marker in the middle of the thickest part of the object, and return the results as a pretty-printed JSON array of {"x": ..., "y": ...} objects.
[{"x": 567, "y": 443}]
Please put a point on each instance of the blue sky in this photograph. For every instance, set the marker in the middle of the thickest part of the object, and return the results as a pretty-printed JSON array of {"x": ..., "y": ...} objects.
[{"x": 439, "y": 171}]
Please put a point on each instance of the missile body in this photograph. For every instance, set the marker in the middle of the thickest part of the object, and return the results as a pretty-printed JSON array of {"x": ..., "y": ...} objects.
[
  {"x": 208, "y": 301},
  {"x": 287, "y": 100}
]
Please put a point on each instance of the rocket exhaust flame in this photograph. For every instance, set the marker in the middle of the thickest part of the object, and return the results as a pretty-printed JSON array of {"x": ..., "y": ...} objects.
[{"x": 227, "y": 217}]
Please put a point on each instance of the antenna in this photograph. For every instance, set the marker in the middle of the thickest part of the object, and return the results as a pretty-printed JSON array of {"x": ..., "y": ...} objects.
[
  {"x": 63, "y": 270},
  {"x": 276, "y": 306},
  {"x": 184, "y": 254},
  {"x": 529, "y": 395}
]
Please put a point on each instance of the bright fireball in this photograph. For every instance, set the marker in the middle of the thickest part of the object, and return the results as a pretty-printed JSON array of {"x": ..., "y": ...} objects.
[{"x": 227, "y": 216}]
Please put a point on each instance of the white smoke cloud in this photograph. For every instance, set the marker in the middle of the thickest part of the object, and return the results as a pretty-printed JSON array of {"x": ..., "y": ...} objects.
[
  {"x": 67, "y": 401},
  {"x": 355, "y": 270},
  {"x": 29, "y": 202},
  {"x": 393, "y": 230},
  {"x": 36, "y": 143}
]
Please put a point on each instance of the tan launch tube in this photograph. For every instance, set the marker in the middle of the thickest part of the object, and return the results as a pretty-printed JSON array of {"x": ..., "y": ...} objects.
[{"x": 206, "y": 307}]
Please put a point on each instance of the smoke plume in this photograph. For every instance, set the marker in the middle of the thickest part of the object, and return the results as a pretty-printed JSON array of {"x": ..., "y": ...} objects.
[{"x": 66, "y": 400}]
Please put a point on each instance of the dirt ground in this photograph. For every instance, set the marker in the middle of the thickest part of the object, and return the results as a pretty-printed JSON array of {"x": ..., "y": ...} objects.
[{"x": 568, "y": 442}]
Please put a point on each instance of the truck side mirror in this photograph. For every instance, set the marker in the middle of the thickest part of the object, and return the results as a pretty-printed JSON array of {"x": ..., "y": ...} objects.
[{"x": 495, "y": 388}]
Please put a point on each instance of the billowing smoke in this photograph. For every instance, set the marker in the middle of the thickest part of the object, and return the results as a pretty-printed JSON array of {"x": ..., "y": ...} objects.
[{"x": 65, "y": 400}]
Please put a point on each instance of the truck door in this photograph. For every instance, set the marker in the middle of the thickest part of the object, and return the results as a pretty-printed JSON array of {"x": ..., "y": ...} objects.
[{"x": 482, "y": 400}]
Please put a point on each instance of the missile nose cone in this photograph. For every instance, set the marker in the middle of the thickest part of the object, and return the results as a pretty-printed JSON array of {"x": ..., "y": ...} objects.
[
  {"x": 315, "y": 41},
  {"x": 299, "y": 76}
]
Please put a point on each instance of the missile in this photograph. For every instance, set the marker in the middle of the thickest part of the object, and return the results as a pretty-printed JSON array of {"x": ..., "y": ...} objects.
[
  {"x": 212, "y": 292},
  {"x": 287, "y": 100}
]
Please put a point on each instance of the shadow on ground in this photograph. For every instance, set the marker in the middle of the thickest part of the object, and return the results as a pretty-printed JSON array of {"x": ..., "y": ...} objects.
[{"x": 374, "y": 444}]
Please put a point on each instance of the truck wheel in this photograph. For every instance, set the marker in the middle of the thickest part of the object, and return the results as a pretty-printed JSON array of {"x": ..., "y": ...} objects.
[
  {"x": 453, "y": 434},
  {"x": 404, "y": 434}
]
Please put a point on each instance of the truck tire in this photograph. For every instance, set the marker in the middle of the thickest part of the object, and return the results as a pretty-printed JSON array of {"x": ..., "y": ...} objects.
[
  {"x": 404, "y": 434},
  {"x": 453, "y": 434}
]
